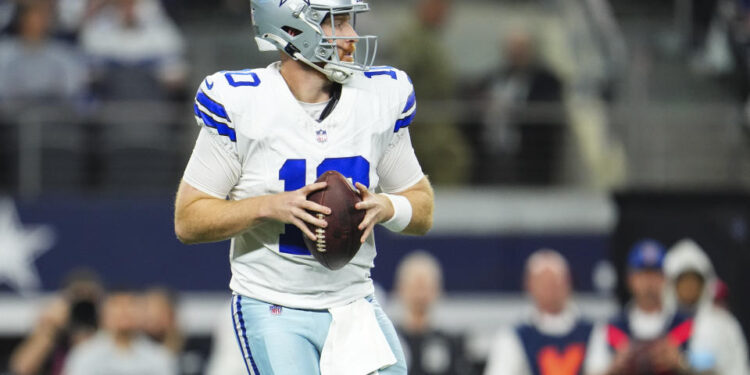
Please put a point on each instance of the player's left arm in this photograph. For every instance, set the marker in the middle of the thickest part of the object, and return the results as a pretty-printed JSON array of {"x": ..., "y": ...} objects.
[
  {"x": 403, "y": 183},
  {"x": 407, "y": 203},
  {"x": 422, "y": 200}
]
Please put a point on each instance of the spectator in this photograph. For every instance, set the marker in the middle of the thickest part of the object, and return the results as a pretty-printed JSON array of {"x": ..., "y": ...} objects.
[
  {"x": 555, "y": 339},
  {"x": 721, "y": 294},
  {"x": 718, "y": 344},
  {"x": 702, "y": 14},
  {"x": 33, "y": 67},
  {"x": 420, "y": 52},
  {"x": 119, "y": 348},
  {"x": 64, "y": 324},
  {"x": 137, "y": 51},
  {"x": 428, "y": 350},
  {"x": 159, "y": 319},
  {"x": 648, "y": 337},
  {"x": 524, "y": 124},
  {"x": 7, "y": 9}
]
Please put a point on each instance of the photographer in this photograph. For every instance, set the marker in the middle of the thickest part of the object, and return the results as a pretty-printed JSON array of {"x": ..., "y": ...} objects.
[
  {"x": 119, "y": 347},
  {"x": 70, "y": 319}
]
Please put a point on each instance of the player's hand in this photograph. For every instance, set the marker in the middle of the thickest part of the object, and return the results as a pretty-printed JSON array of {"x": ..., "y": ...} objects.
[
  {"x": 292, "y": 207},
  {"x": 379, "y": 209}
]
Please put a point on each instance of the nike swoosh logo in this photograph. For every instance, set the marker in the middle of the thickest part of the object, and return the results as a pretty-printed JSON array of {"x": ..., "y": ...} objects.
[{"x": 210, "y": 85}]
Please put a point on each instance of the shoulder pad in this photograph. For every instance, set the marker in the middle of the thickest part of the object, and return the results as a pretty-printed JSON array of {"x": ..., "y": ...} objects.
[
  {"x": 400, "y": 90},
  {"x": 210, "y": 108}
]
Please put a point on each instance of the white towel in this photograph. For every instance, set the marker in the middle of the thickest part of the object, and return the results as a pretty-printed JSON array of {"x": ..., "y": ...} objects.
[{"x": 355, "y": 344}]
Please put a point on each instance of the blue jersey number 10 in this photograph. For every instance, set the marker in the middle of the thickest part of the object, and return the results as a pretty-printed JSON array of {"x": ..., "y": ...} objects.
[{"x": 293, "y": 174}]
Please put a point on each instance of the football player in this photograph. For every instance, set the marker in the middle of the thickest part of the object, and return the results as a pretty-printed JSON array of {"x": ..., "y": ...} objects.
[{"x": 266, "y": 135}]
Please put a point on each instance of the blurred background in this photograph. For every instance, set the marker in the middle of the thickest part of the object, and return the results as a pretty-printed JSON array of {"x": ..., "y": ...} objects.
[{"x": 581, "y": 126}]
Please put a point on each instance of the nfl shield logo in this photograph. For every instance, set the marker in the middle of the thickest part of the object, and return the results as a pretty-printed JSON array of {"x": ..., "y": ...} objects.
[
  {"x": 275, "y": 309},
  {"x": 321, "y": 136}
]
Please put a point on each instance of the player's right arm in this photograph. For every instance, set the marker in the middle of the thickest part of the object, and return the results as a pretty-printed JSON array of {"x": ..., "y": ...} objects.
[
  {"x": 202, "y": 212},
  {"x": 201, "y": 217}
]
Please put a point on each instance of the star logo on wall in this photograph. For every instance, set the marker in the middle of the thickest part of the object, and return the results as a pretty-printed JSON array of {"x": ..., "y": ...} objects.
[{"x": 20, "y": 246}]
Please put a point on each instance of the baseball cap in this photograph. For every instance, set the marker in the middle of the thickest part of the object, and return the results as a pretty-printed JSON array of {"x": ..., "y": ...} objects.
[{"x": 647, "y": 254}]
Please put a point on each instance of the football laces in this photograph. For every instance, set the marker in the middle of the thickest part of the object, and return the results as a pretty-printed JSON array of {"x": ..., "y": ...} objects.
[{"x": 320, "y": 235}]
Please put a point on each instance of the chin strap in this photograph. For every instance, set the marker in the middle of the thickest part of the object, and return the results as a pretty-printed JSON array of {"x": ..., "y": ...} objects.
[
  {"x": 335, "y": 73},
  {"x": 338, "y": 74}
]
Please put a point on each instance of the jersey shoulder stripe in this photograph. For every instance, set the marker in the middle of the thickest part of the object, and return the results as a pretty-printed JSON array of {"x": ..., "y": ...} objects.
[
  {"x": 405, "y": 122},
  {"x": 410, "y": 111},
  {"x": 408, "y": 96},
  {"x": 410, "y": 103},
  {"x": 223, "y": 97},
  {"x": 212, "y": 105},
  {"x": 211, "y": 111},
  {"x": 220, "y": 127}
]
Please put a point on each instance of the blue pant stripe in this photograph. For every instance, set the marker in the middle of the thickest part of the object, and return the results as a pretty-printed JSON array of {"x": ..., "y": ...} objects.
[
  {"x": 244, "y": 336},
  {"x": 237, "y": 335}
]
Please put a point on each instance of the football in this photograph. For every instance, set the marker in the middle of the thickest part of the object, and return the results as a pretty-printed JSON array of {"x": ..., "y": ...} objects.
[{"x": 339, "y": 242}]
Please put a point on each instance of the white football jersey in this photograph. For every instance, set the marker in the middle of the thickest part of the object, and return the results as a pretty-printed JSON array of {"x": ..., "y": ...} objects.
[{"x": 257, "y": 139}]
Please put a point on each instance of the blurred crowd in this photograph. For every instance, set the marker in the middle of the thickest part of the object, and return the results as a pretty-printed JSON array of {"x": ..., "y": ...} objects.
[
  {"x": 714, "y": 36},
  {"x": 99, "y": 77},
  {"x": 676, "y": 322},
  {"x": 74, "y": 51},
  {"x": 107, "y": 85},
  {"x": 517, "y": 136},
  {"x": 673, "y": 323},
  {"x": 87, "y": 330},
  {"x": 62, "y": 62}
]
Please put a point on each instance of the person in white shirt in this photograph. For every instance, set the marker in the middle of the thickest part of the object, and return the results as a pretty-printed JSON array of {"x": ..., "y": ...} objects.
[
  {"x": 718, "y": 345},
  {"x": 135, "y": 49},
  {"x": 36, "y": 68},
  {"x": 266, "y": 135},
  {"x": 555, "y": 339}
]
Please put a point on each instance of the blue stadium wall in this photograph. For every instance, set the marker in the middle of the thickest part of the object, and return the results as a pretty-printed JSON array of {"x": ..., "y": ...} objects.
[{"x": 132, "y": 243}]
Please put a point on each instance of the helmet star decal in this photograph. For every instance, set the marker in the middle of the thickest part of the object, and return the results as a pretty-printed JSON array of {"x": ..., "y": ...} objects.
[
  {"x": 19, "y": 247},
  {"x": 282, "y": 2}
]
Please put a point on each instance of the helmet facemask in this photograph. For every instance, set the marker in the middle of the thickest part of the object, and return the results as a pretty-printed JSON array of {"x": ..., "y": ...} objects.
[{"x": 328, "y": 50}]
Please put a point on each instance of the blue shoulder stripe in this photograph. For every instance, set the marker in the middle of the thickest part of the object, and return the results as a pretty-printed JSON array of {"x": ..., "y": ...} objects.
[
  {"x": 410, "y": 102},
  {"x": 223, "y": 129},
  {"x": 404, "y": 122},
  {"x": 212, "y": 105}
]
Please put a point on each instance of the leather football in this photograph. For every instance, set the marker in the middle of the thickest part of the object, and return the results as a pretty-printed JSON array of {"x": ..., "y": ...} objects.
[{"x": 338, "y": 243}]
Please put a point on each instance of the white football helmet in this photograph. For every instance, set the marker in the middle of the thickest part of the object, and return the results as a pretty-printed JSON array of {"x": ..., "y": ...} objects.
[{"x": 294, "y": 27}]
